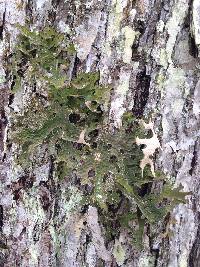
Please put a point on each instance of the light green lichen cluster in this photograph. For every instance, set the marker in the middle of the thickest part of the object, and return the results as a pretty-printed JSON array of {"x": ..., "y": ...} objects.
[
  {"x": 68, "y": 118},
  {"x": 119, "y": 253}
]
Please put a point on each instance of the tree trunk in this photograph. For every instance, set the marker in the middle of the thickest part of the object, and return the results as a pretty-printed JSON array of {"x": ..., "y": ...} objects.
[{"x": 148, "y": 51}]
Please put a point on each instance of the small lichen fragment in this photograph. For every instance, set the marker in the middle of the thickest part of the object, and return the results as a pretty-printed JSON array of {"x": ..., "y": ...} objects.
[
  {"x": 130, "y": 36},
  {"x": 40, "y": 3},
  {"x": 98, "y": 241},
  {"x": 151, "y": 145},
  {"x": 174, "y": 24},
  {"x": 84, "y": 37},
  {"x": 196, "y": 21},
  {"x": 117, "y": 105},
  {"x": 119, "y": 253}
]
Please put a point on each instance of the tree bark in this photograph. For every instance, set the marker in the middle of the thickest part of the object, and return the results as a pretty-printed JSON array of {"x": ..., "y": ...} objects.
[{"x": 148, "y": 51}]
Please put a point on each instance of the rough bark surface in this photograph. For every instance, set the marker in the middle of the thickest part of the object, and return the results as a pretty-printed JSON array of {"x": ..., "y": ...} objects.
[{"x": 148, "y": 50}]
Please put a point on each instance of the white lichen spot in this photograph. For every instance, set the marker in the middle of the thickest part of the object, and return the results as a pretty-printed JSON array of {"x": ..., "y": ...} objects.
[
  {"x": 97, "y": 156},
  {"x": 133, "y": 13},
  {"x": 160, "y": 26},
  {"x": 98, "y": 196},
  {"x": 63, "y": 27},
  {"x": 40, "y": 3},
  {"x": 6, "y": 229},
  {"x": 18, "y": 102}
]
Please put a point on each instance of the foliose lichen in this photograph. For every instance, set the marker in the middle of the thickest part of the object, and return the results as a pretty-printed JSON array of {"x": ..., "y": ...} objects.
[{"x": 67, "y": 115}]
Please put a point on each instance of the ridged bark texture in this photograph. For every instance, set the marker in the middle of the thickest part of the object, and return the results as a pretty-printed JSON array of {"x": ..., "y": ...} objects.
[{"x": 148, "y": 51}]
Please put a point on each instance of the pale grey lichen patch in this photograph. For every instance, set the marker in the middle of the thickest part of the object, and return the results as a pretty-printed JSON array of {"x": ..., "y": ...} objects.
[
  {"x": 114, "y": 24},
  {"x": 185, "y": 224},
  {"x": 163, "y": 58},
  {"x": 8, "y": 8},
  {"x": 196, "y": 104},
  {"x": 86, "y": 34},
  {"x": 185, "y": 228},
  {"x": 175, "y": 88},
  {"x": 42, "y": 173},
  {"x": 129, "y": 35},
  {"x": 2, "y": 77},
  {"x": 40, "y": 3},
  {"x": 177, "y": 143},
  {"x": 164, "y": 48},
  {"x": 97, "y": 238},
  {"x": 184, "y": 232},
  {"x": 69, "y": 238},
  {"x": 70, "y": 199},
  {"x": 15, "y": 170},
  {"x": 90, "y": 60},
  {"x": 118, "y": 47},
  {"x": 63, "y": 27},
  {"x": 33, "y": 211},
  {"x": 34, "y": 216},
  {"x": 6, "y": 197},
  {"x": 2, "y": 71},
  {"x": 66, "y": 236},
  {"x": 122, "y": 37},
  {"x": 196, "y": 21},
  {"x": 113, "y": 33},
  {"x": 91, "y": 255},
  {"x": 24, "y": 217},
  {"x": 11, "y": 19},
  {"x": 160, "y": 26},
  {"x": 182, "y": 55},
  {"x": 119, "y": 252},
  {"x": 117, "y": 106},
  {"x": 146, "y": 260},
  {"x": 174, "y": 25},
  {"x": 18, "y": 101},
  {"x": 45, "y": 251}
]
